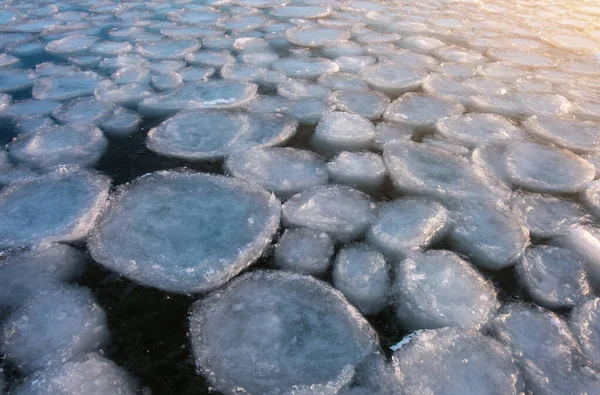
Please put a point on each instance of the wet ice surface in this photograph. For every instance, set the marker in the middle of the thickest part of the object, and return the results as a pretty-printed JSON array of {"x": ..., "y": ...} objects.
[{"x": 435, "y": 162}]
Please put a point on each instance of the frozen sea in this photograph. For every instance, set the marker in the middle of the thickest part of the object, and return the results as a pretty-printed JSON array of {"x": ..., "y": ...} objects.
[{"x": 297, "y": 197}]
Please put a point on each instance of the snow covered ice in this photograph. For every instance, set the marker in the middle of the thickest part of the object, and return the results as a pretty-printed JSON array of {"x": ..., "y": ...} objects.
[
  {"x": 302, "y": 326},
  {"x": 338, "y": 141},
  {"x": 197, "y": 247}
]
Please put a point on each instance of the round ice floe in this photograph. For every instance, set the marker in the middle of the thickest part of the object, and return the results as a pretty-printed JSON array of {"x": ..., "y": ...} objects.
[
  {"x": 284, "y": 171},
  {"x": 49, "y": 69},
  {"x": 585, "y": 325},
  {"x": 167, "y": 49},
  {"x": 591, "y": 198},
  {"x": 27, "y": 109},
  {"x": 577, "y": 136},
  {"x": 70, "y": 45},
  {"x": 299, "y": 324},
  {"x": 388, "y": 131},
  {"x": 492, "y": 234},
  {"x": 453, "y": 361},
  {"x": 73, "y": 144},
  {"x": 309, "y": 36},
  {"x": 367, "y": 104},
  {"x": 91, "y": 374},
  {"x": 407, "y": 224},
  {"x": 542, "y": 168},
  {"x": 110, "y": 48},
  {"x": 128, "y": 95},
  {"x": 14, "y": 80},
  {"x": 24, "y": 273},
  {"x": 304, "y": 251},
  {"x": 420, "y": 111},
  {"x": 340, "y": 131},
  {"x": 548, "y": 368},
  {"x": 209, "y": 228},
  {"x": 301, "y": 89},
  {"x": 492, "y": 158},
  {"x": 343, "y": 81},
  {"x": 477, "y": 129},
  {"x": 521, "y": 104},
  {"x": 421, "y": 44},
  {"x": 88, "y": 110},
  {"x": 192, "y": 96},
  {"x": 393, "y": 78},
  {"x": 122, "y": 122},
  {"x": 162, "y": 82},
  {"x": 66, "y": 86},
  {"x": 57, "y": 324},
  {"x": 353, "y": 64},
  {"x": 552, "y": 276},
  {"x": 209, "y": 58},
  {"x": 361, "y": 170},
  {"x": 437, "y": 288},
  {"x": 76, "y": 197},
  {"x": 450, "y": 87},
  {"x": 341, "y": 211},
  {"x": 301, "y": 12},
  {"x": 10, "y": 61},
  {"x": 416, "y": 169},
  {"x": 547, "y": 216},
  {"x": 522, "y": 58},
  {"x": 445, "y": 144},
  {"x": 362, "y": 275},
  {"x": 310, "y": 68},
  {"x": 214, "y": 134}
]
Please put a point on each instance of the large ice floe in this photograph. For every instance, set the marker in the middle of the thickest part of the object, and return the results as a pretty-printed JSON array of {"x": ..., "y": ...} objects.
[
  {"x": 206, "y": 229},
  {"x": 301, "y": 336},
  {"x": 289, "y": 167}
]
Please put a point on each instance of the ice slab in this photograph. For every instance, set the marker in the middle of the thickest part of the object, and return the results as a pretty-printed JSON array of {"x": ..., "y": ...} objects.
[
  {"x": 122, "y": 122},
  {"x": 454, "y": 361},
  {"x": 214, "y": 134},
  {"x": 208, "y": 229},
  {"x": 14, "y": 80},
  {"x": 91, "y": 374},
  {"x": 361, "y": 170},
  {"x": 50, "y": 146},
  {"x": 407, "y": 224},
  {"x": 167, "y": 49},
  {"x": 362, "y": 275},
  {"x": 57, "y": 324},
  {"x": 305, "y": 251},
  {"x": 75, "y": 196},
  {"x": 343, "y": 81},
  {"x": 437, "y": 288},
  {"x": 547, "y": 216},
  {"x": 584, "y": 322},
  {"x": 521, "y": 104},
  {"x": 475, "y": 129},
  {"x": 342, "y": 212},
  {"x": 301, "y": 12},
  {"x": 416, "y": 169},
  {"x": 341, "y": 131},
  {"x": 393, "y": 78},
  {"x": 299, "y": 324},
  {"x": 554, "y": 277},
  {"x": 367, "y": 104},
  {"x": 314, "y": 37},
  {"x": 24, "y": 273},
  {"x": 70, "y": 45},
  {"x": 26, "y": 109},
  {"x": 492, "y": 234},
  {"x": 88, "y": 110},
  {"x": 577, "y": 136},
  {"x": 583, "y": 242},
  {"x": 283, "y": 171},
  {"x": 542, "y": 168},
  {"x": 420, "y": 111},
  {"x": 65, "y": 86},
  {"x": 309, "y": 68},
  {"x": 192, "y": 96},
  {"x": 388, "y": 131}
]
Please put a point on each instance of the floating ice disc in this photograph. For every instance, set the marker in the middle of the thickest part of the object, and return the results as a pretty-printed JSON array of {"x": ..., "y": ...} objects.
[
  {"x": 214, "y": 134},
  {"x": 184, "y": 232},
  {"x": 299, "y": 336}
]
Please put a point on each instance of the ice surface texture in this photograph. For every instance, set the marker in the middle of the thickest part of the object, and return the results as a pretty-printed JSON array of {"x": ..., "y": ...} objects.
[
  {"x": 299, "y": 335},
  {"x": 304, "y": 251},
  {"x": 206, "y": 229}
]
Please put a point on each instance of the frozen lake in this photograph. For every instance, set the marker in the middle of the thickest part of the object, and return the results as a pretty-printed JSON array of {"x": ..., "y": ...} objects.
[{"x": 300, "y": 197}]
